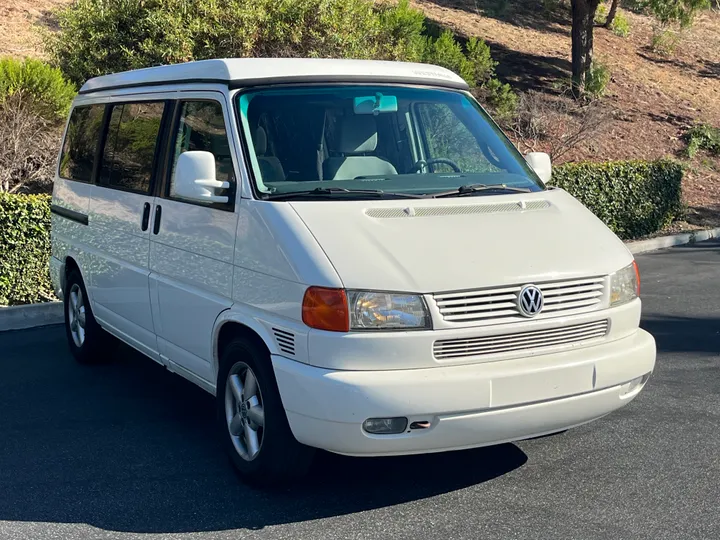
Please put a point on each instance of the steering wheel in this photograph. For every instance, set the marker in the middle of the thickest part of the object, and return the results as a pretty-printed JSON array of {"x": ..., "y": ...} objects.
[{"x": 422, "y": 164}]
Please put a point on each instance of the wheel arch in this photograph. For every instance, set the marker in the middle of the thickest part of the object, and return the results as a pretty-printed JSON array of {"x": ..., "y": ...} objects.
[
  {"x": 70, "y": 263},
  {"x": 231, "y": 324}
]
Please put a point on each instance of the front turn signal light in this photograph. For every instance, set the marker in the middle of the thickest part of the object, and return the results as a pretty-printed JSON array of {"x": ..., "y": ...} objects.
[{"x": 326, "y": 309}]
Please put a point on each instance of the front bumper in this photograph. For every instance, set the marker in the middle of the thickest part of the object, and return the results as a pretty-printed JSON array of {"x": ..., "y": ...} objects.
[{"x": 467, "y": 406}]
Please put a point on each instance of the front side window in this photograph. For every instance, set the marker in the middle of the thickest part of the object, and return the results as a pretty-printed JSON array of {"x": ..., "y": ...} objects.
[
  {"x": 201, "y": 127},
  {"x": 448, "y": 141},
  {"x": 350, "y": 139},
  {"x": 129, "y": 152},
  {"x": 81, "y": 142}
]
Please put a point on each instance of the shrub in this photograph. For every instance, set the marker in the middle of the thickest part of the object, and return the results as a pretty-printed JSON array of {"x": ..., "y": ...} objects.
[
  {"x": 502, "y": 101},
  {"x": 102, "y": 36},
  {"x": 620, "y": 25},
  {"x": 559, "y": 123},
  {"x": 601, "y": 14},
  {"x": 597, "y": 79},
  {"x": 682, "y": 12},
  {"x": 446, "y": 51},
  {"x": 664, "y": 41},
  {"x": 28, "y": 147},
  {"x": 24, "y": 249},
  {"x": 43, "y": 88},
  {"x": 633, "y": 198},
  {"x": 703, "y": 137},
  {"x": 481, "y": 65}
]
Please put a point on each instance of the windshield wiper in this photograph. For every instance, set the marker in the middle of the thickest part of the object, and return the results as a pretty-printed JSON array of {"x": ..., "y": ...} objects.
[
  {"x": 338, "y": 191},
  {"x": 474, "y": 188}
]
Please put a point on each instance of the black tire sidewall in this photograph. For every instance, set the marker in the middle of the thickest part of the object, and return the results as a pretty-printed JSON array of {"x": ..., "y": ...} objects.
[
  {"x": 87, "y": 352},
  {"x": 280, "y": 456}
]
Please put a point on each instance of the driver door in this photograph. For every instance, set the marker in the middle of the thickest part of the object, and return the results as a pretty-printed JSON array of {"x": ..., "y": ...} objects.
[{"x": 192, "y": 244}]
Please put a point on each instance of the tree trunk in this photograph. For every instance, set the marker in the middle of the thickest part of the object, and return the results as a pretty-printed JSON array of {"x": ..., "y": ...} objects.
[
  {"x": 612, "y": 13},
  {"x": 583, "y": 21}
]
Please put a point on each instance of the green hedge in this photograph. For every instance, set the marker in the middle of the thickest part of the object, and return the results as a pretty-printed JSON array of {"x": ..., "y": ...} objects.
[
  {"x": 634, "y": 198},
  {"x": 24, "y": 249}
]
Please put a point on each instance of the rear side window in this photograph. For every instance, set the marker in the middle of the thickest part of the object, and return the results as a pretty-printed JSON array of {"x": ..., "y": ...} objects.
[
  {"x": 128, "y": 156},
  {"x": 81, "y": 142}
]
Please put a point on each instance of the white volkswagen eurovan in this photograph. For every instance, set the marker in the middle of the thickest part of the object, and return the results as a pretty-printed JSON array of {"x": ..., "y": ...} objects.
[{"x": 350, "y": 255}]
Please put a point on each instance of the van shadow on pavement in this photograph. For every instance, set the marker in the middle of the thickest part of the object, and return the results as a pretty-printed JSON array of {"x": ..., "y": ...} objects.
[{"x": 127, "y": 446}]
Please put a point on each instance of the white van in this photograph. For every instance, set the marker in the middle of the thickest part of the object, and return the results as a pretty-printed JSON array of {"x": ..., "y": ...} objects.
[{"x": 350, "y": 255}]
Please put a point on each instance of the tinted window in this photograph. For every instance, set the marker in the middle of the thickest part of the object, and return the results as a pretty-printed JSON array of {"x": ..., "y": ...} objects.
[
  {"x": 130, "y": 146},
  {"x": 81, "y": 140},
  {"x": 202, "y": 127}
]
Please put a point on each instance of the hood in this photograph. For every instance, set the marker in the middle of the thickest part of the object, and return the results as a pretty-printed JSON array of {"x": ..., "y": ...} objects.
[{"x": 429, "y": 246}]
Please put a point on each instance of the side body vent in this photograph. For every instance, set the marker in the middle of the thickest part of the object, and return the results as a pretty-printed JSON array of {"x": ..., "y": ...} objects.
[{"x": 285, "y": 341}]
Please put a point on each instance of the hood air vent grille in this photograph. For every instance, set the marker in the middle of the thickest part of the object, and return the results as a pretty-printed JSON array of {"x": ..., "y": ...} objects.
[{"x": 455, "y": 210}]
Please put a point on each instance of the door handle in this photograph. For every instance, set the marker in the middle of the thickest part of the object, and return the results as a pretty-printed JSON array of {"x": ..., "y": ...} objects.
[
  {"x": 156, "y": 223},
  {"x": 146, "y": 216}
]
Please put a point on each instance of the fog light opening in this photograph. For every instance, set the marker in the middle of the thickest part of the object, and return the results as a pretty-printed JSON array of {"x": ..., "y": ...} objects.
[
  {"x": 385, "y": 426},
  {"x": 636, "y": 384}
]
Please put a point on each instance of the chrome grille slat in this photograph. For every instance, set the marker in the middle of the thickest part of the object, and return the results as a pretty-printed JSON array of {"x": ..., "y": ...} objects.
[
  {"x": 536, "y": 339},
  {"x": 495, "y": 306},
  {"x": 572, "y": 283},
  {"x": 513, "y": 344},
  {"x": 571, "y": 305},
  {"x": 559, "y": 299},
  {"x": 570, "y": 290},
  {"x": 477, "y": 300},
  {"x": 480, "y": 307},
  {"x": 476, "y": 316},
  {"x": 507, "y": 338}
]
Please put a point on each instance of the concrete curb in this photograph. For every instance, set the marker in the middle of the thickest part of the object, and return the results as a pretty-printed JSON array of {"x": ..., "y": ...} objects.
[
  {"x": 36, "y": 315},
  {"x": 31, "y": 316},
  {"x": 662, "y": 242}
]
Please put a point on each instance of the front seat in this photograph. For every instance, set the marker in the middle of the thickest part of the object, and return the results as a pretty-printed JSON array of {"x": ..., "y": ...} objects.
[
  {"x": 270, "y": 166},
  {"x": 358, "y": 137}
]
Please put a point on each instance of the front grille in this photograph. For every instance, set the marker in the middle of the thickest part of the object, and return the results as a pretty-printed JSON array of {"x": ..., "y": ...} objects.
[
  {"x": 536, "y": 339},
  {"x": 495, "y": 306}
]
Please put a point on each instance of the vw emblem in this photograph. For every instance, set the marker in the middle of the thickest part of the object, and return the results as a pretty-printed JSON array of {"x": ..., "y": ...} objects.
[{"x": 530, "y": 301}]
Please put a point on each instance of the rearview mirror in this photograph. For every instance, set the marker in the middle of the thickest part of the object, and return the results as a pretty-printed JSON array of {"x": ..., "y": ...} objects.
[
  {"x": 379, "y": 103},
  {"x": 195, "y": 178},
  {"x": 540, "y": 163}
]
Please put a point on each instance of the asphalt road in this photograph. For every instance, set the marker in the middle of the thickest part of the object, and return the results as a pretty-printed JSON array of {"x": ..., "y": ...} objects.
[{"x": 126, "y": 450}]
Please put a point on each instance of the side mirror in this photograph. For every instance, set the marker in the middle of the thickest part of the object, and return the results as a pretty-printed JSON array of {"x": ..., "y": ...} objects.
[
  {"x": 540, "y": 163},
  {"x": 195, "y": 178}
]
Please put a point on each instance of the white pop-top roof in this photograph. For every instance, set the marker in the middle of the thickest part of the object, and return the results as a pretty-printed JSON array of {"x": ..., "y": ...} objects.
[{"x": 243, "y": 72}]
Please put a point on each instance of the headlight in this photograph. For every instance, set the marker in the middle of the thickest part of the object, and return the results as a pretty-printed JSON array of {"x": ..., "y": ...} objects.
[
  {"x": 387, "y": 311},
  {"x": 625, "y": 285}
]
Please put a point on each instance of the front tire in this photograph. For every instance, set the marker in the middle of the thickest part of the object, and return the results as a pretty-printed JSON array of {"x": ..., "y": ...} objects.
[
  {"x": 84, "y": 335},
  {"x": 251, "y": 419}
]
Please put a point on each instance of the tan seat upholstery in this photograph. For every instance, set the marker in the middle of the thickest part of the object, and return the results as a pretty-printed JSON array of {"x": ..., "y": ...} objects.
[
  {"x": 358, "y": 136},
  {"x": 270, "y": 166}
]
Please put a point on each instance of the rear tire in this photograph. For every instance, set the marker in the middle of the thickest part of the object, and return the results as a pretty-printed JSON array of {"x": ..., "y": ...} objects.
[
  {"x": 84, "y": 335},
  {"x": 252, "y": 422}
]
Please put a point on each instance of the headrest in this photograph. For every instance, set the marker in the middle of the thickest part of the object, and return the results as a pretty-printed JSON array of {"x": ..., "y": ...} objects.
[
  {"x": 260, "y": 141},
  {"x": 358, "y": 133}
]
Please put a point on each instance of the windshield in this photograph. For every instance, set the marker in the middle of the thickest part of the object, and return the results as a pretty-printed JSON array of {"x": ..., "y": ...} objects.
[{"x": 364, "y": 141}]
